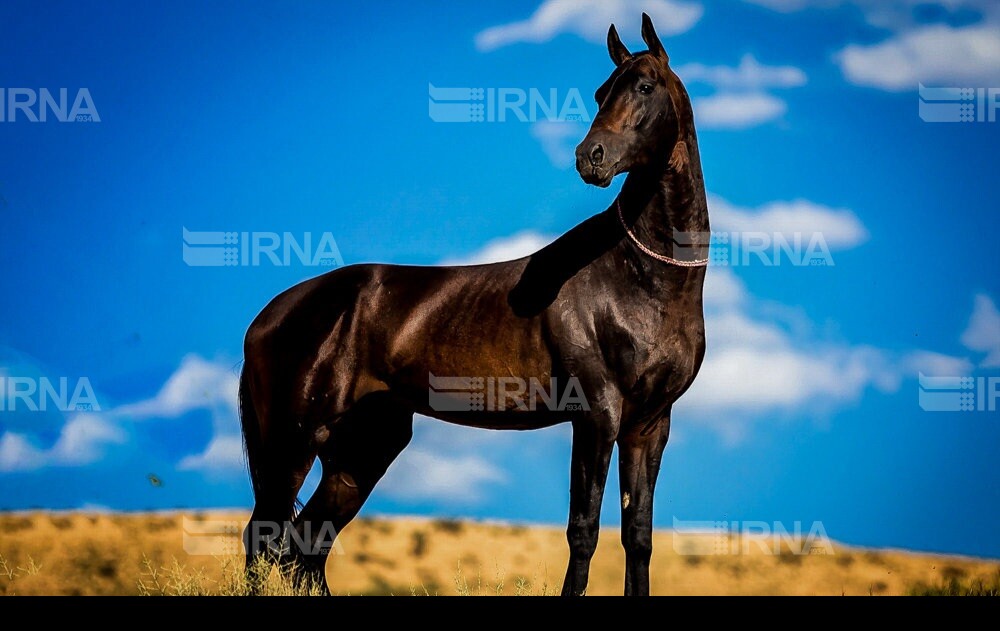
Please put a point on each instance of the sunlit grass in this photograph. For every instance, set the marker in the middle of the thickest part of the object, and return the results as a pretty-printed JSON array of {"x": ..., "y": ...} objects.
[
  {"x": 954, "y": 586},
  {"x": 108, "y": 553},
  {"x": 176, "y": 579}
]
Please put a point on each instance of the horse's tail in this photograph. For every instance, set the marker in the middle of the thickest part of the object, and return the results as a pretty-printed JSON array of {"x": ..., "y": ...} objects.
[{"x": 253, "y": 435}]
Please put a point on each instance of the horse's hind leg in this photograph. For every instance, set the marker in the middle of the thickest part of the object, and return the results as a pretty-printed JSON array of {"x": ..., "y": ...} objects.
[
  {"x": 283, "y": 464},
  {"x": 265, "y": 533},
  {"x": 359, "y": 450}
]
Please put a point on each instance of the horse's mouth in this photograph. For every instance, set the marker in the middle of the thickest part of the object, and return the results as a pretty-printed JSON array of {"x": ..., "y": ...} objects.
[{"x": 601, "y": 178}]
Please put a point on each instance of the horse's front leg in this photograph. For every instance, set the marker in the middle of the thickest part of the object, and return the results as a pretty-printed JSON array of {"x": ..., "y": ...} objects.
[
  {"x": 638, "y": 465},
  {"x": 593, "y": 441}
]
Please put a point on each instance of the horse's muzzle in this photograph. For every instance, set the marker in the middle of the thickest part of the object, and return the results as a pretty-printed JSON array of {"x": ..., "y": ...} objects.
[{"x": 593, "y": 164}]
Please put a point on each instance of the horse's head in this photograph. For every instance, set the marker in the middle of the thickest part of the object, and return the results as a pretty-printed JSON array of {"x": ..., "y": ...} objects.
[{"x": 637, "y": 120}]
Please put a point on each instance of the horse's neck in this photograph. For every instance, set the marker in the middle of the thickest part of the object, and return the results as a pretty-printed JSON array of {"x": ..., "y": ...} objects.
[{"x": 667, "y": 206}]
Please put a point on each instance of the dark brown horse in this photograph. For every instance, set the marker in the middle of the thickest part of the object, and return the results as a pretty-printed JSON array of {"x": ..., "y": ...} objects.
[{"x": 337, "y": 366}]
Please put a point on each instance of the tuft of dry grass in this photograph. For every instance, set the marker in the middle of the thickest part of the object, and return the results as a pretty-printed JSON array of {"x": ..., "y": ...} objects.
[
  {"x": 76, "y": 553},
  {"x": 955, "y": 585},
  {"x": 12, "y": 573},
  {"x": 176, "y": 579}
]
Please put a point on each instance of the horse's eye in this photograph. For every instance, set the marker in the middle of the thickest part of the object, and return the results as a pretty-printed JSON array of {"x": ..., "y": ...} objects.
[{"x": 646, "y": 88}]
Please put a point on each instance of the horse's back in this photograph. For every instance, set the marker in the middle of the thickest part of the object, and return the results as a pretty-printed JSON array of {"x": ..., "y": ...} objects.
[{"x": 394, "y": 312}]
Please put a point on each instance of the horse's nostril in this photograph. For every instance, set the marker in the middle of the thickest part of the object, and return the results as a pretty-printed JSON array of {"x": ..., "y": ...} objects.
[{"x": 597, "y": 155}]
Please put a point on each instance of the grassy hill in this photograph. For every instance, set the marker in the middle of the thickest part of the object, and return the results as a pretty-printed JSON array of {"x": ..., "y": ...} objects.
[{"x": 84, "y": 553}]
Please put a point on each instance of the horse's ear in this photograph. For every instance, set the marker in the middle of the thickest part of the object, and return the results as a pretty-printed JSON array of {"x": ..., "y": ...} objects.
[
  {"x": 652, "y": 39},
  {"x": 619, "y": 54}
]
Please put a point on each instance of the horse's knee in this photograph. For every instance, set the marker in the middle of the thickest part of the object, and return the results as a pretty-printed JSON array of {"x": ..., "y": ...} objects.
[
  {"x": 638, "y": 542},
  {"x": 582, "y": 539}
]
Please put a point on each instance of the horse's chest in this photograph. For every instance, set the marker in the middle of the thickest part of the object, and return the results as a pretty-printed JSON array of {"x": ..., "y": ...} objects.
[{"x": 657, "y": 357}]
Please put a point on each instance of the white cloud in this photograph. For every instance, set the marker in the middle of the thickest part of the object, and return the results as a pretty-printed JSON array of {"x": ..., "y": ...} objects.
[
  {"x": 419, "y": 474},
  {"x": 504, "y": 249},
  {"x": 200, "y": 384},
  {"x": 737, "y": 111},
  {"x": 224, "y": 453},
  {"x": 452, "y": 464},
  {"x": 723, "y": 289},
  {"x": 958, "y": 57},
  {"x": 938, "y": 364},
  {"x": 558, "y": 140},
  {"x": 895, "y": 14},
  {"x": 590, "y": 20},
  {"x": 757, "y": 369},
  {"x": 82, "y": 440},
  {"x": 754, "y": 365},
  {"x": 933, "y": 54},
  {"x": 750, "y": 74},
  {"x": 742, "y": 100},
  {"x": 750, "y": 377},
  {"x": 18, "y": 454},
  {"x": 732, "y": 326},
  {"x": 196, "y": 384},
  {"x": 841, "y": 228},
  {"x": 983, "y": 333}
]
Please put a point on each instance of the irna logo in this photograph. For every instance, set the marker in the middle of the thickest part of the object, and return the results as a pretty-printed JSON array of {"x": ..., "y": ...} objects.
[
  {"x": 500, "y": 105},
  {"x": 253, "y": 249},
  {"x": 41, "y": 106},
  {"x": 28, "y": 394}
]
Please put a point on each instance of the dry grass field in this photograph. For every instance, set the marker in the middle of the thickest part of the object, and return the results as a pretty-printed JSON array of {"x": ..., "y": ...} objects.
[{"x": 103, "y": 554}]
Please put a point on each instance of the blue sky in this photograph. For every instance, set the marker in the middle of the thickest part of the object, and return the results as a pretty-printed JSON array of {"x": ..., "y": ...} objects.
[{"x": 313, "y": 117}]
